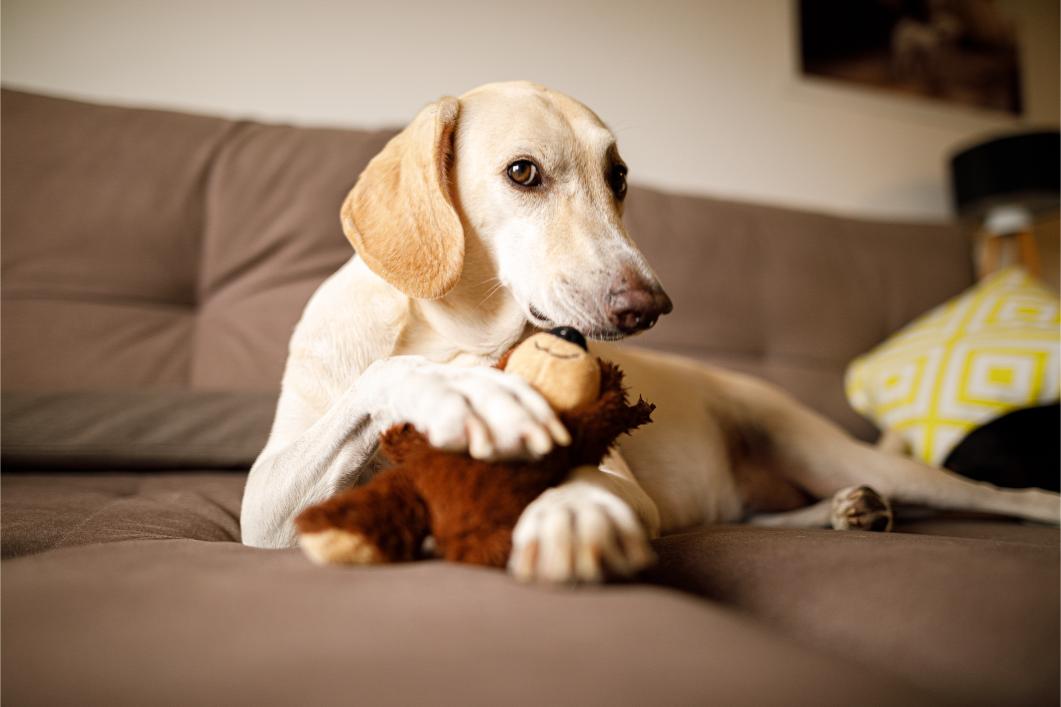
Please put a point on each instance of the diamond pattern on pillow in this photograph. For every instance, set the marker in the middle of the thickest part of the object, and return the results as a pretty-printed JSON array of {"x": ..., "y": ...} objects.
[{"x": 991, "y": 350}]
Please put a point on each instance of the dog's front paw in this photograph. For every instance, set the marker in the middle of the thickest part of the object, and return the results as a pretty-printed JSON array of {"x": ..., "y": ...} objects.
[
  {"x": 861, "y": 508},
  {"x": 578, "y": 532},
  {"x": 486, "y": 412},
  {"x": 333, "y": 546}
]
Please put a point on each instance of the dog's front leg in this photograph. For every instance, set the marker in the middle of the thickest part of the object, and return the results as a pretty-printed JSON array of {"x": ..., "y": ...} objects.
[
  {"x": 290, "y": 475},
  {"x": 597, "y": 523},
  {"x": 484, "y": 411}
]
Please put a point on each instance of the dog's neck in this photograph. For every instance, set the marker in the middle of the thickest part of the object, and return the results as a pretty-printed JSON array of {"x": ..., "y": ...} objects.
[
  {"x": 475, "y": 323},
  {"x": 460, "y": 332}
]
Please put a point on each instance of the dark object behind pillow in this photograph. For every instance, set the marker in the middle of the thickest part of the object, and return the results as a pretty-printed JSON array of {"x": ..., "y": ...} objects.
[{"x": 1016, "y": 450}]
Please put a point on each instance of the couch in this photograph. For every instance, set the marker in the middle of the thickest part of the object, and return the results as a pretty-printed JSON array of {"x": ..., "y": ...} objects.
[{"x": 154, "y": 264}]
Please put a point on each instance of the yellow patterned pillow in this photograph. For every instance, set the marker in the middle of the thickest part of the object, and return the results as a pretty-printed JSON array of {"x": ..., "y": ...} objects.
[{"x": 991, "y": 350}]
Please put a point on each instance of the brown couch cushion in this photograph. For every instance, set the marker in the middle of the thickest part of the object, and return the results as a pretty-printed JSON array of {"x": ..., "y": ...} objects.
[
  {"x": 52, "y": 509},
  {"x": 134, "y": 429},
  {"x": 967, "y": 608},
  {"x": 272, "y": 236},
  {"x": 150, "y": 249},
  {"x": 103, "y": 216},
  {"x": 133, "y": 585},
  {"x": 790, "y": 296},
  {"x": 180, "y": 622}
]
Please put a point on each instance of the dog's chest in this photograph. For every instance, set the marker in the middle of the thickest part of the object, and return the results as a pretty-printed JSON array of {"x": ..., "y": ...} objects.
[
  {"x": 468, "y": 340},
  {"x": 418, "y": 341}
]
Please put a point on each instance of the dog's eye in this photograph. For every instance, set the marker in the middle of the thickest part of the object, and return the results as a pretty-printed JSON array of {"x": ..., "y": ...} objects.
[
  {"x": 617, "y": 181},
  {"x": 524, "y": 173}
]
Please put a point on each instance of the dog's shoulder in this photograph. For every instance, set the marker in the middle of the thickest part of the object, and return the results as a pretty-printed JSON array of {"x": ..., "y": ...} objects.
[{"x": 351, "y": 320}]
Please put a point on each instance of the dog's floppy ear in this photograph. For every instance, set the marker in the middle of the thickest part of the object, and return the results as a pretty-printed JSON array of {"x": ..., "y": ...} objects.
[{"x": 400, "y": 216}]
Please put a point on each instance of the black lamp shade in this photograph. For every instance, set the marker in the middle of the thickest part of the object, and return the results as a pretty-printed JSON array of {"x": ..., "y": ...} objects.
[{"x": 1017, "y": 169}]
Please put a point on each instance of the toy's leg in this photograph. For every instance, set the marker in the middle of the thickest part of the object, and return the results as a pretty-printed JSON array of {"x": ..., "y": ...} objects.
[
  {"x": 472, "y": 517},
  {"x": 382, "y": 521},
  {"x": 490, "y": 547}
]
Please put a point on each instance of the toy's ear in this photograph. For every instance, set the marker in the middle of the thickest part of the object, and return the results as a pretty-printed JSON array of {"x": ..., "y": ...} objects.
[{"x": 400, "y": 215}]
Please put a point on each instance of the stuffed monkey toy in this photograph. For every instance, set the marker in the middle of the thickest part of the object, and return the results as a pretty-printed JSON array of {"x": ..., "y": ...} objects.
[{"x": 470, "y": 506}]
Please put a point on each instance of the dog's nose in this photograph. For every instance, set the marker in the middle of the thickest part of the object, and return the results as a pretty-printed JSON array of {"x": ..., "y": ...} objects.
[{"x": 634, "y": 309}]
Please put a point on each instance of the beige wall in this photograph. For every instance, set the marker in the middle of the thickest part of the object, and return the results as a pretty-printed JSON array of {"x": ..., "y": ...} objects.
[{"x": 703, "y": 95}]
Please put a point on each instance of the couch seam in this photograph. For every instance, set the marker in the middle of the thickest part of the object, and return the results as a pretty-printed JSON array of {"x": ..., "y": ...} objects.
[{"x": 209, "y": 175}]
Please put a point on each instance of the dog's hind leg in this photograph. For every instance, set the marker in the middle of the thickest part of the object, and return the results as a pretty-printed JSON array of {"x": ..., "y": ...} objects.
[
  {"x": 819, "y": 457},
  {"x": 816, "y": 515},
  {"x": 826, "y": 460},
  {"x": 823, "y": 459},
  {"x": 852, "y": 508}
]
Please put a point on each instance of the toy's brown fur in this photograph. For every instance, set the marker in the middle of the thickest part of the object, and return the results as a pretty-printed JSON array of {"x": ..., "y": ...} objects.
[{"x": 469, "y": 506}]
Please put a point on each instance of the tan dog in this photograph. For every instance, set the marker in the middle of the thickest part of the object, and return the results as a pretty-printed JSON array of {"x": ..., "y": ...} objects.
[{"x": 490, "y": 216}]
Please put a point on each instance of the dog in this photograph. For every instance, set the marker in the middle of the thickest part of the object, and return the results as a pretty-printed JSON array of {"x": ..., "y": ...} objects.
[{"x": 498, "y": 214}]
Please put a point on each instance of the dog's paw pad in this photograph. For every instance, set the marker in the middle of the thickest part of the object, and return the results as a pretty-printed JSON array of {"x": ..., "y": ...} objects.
[
  {"x": 339, "y": 547},
  {"x": 861, "y": 508}
]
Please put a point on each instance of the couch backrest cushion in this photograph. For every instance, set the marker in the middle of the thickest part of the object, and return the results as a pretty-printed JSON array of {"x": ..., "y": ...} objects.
[
  {"x": 154, "y": 249},
  {"x": 790, "y": 296},
  {"x": 150, "y": 249}
]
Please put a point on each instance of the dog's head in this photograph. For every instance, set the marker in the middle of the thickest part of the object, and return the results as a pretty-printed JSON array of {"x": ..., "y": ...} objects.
[{"x": 530, "y": 184}]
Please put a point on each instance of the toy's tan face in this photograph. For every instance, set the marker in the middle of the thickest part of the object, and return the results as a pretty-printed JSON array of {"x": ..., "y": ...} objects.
[{"x": 564, "y": 373}]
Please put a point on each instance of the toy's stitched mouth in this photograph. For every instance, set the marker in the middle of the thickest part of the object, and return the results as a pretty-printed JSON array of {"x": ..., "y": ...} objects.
[{"x": 554, "y": 355}]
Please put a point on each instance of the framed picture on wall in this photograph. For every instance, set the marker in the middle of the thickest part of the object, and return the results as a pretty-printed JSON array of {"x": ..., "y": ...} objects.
[{"x": 959, "y": 51}]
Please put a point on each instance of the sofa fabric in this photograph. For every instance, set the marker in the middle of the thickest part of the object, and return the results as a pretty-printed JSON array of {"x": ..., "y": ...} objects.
[
  {"x": 147, "y": 249},
  {"x": 135, "y": 585},
  {"x": 153, "y": 266},
  {"x": 134, "y": 429}
]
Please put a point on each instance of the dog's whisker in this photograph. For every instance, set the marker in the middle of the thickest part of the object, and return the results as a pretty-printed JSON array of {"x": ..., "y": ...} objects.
[
  {"x": 584, "y": 315},
  {"x": 570, "y": 303},
  {"x": 498, "y": 284},
  {"x": 585, "y": 312}
]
